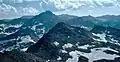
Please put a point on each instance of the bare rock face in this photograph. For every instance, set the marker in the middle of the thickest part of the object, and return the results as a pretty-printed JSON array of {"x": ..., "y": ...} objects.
[
  {"x": 65, "y": 42},
  {"x": 17, "y": 56},
  {"x": 83, "y": 59}
]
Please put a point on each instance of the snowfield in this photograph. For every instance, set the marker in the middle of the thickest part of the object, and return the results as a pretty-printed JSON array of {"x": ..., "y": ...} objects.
[
  {"x": 101, "y": 36},
  {"x": 94, "y": 55}
]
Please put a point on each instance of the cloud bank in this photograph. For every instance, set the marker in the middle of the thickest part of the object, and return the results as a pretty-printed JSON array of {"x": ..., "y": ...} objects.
[{"x": 17, "y": 8}]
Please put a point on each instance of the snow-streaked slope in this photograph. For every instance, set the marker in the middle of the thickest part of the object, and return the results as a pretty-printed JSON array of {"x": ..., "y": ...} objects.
[
  {"x": 94, "y": 55},
  {"x": 101, "y": 36}
]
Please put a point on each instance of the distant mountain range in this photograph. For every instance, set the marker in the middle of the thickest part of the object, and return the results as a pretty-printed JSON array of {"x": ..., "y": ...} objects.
[
  {"x": 33, "y": 27},
  {"x": 60, "y": 38}
]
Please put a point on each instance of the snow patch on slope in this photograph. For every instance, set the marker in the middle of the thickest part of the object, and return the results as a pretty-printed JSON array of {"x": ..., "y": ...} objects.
[
  {"x": 63, "y": 51},
  {"x": 26, "y": 39},
  {"x": 101, "y": 36},
  {"x": 24, "y": 49},
  {"x": 84, "y": 47},
  {"x": 34, "y": 27},
  {"x": 68, "y": 45},
  {"x": 56, "y": 43},
  {"x": 94, "y": 55},
  {"x": 59, "y": 58}
]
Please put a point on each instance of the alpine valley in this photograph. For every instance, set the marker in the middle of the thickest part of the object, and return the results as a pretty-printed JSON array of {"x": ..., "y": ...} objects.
[{"x": 60, "y": 38}]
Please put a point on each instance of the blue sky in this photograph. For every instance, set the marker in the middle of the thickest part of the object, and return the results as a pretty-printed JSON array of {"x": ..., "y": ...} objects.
[{"x": 18, "y": 8}]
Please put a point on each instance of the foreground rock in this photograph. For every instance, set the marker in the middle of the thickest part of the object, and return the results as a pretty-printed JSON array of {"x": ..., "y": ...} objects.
[{"x": 17, "y": 56}]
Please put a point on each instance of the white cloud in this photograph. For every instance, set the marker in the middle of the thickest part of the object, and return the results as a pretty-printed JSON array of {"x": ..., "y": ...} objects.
[
  {"x": 31, "y": 0},
  {"x": 0, "y": 0},
  {"x": 15, "y": 8},
  {"x": 28, "y": 11},
  {"x": 8, "y": 11},
  {"x": 76, "y": 4}
]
